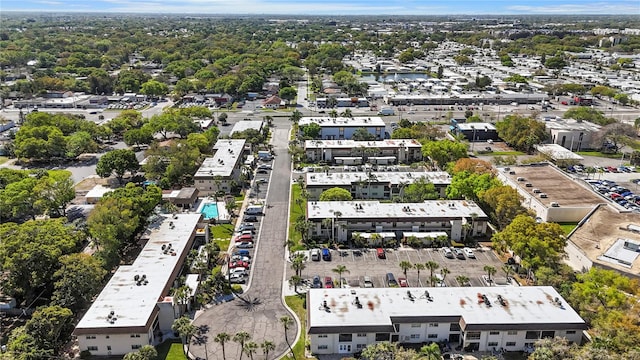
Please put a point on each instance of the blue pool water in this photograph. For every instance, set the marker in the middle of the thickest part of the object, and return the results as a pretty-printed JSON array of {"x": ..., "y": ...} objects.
[{"x": 210, "y": 211}]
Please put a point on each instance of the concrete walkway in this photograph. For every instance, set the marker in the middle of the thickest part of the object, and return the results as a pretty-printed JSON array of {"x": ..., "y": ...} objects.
[{"x": 259, "y": 310}]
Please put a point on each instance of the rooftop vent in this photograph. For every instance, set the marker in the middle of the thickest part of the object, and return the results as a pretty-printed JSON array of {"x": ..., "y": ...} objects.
[
  {"x": 410, "y": 296},
  {"x": 111, "y": 318},
  {"x": 426, "y": 295},
  {"x": 325, "y": 307},
  {"x": 557, "y": 302},
  {"x": 484, "y": 299},
  {"x": 502, "y": 301},
  {"x": 357, "y": 303}
]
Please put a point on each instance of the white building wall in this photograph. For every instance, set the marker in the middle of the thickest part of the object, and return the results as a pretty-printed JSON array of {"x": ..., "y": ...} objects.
[
  {"x": 576, "y": 258},
  {"x": 114, "y": 344}
]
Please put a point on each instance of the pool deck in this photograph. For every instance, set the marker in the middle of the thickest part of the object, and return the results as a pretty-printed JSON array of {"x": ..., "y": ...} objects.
[{"x": 223, "y": 214}]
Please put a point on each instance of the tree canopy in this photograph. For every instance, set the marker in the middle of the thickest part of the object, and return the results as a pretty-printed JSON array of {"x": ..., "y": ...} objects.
[
  {"x": 521, "y": 132},
  {"x": 336, "y": 194},
  {"x": 117, "y": 162},
  {"x": 444, "y": 151}
]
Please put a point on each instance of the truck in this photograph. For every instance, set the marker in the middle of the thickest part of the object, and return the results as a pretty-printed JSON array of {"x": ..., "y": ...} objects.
[{"x": 385, "y": 111}]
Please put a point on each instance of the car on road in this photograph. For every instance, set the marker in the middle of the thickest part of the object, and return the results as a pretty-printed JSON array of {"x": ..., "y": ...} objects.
[
  {"x": 328, "y": 282},
  {"x": 366, "y": 282},
  {"x": 316, "y": 283},
  {"x": 250, "y": 218},
  {"x": 459, "y": 254},
  {"x": 403, "y": 282},
  {"x": 244, "y": 245},
  {"x": 469, "y": 253}
]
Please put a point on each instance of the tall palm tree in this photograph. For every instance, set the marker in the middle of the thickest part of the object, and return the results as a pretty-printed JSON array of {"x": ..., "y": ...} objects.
[
  {"x": 444, "y": 272},
  {"x": 333, "y": 113},
  {"x": 286, "y": 322},
  {"x": 298, "y": 263},
  {"x": 295, "y": 117},
  {"x": 250, "y": 348},
  {"x": 490, "y": 271},
  {"x": 222, "y": 339},
  {"x": 432, "y": 266},
  {"x": 340, "y": 269},
  {"x": 405, "y": 265},
  {"x": 185, "y": 330},
  {"x": 295, "y": 280},
  {"x": 241, "y": 338},
  {"x": 507, "y": 271},
  {"x": 267, "y": 347},
  {"x": 462, "y": 280},
  {"x": 419, "y": 267}
]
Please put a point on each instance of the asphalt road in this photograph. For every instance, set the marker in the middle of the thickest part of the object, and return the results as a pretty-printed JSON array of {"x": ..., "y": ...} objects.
[{"x": 259, "y": 309}]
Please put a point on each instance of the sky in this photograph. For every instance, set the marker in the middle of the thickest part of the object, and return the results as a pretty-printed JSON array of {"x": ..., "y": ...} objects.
[{"x": 332, "y": 7}]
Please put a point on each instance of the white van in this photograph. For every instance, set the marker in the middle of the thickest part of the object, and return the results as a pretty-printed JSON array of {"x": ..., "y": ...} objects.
[{"x": 254, "y": 210}]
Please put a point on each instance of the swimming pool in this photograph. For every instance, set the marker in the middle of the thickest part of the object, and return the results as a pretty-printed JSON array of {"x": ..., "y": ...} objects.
[{"x": 210, "y": 211}]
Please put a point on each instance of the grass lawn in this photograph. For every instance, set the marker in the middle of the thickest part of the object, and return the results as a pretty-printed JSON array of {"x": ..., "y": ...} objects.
[
  {"x": 3, "y": 159},
  {"x": 599, "y": 154},
  {"x": 222, "y": 231},
  {"x": 297, "y": 304},
  {"x": 568, "y": 227},
  {"x": 239, "y": 197},
  {"x": 294, "y": 212},
  {"x": 506, "y": 153},
  {"x": 171, "y": 350}
]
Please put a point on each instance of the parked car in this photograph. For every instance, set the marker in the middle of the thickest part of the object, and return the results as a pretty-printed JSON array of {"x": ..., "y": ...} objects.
[
  {"x": 317, "y": 283},
  {"x": 391, "y": 280},
  {"x": 448, "y": 253},
  {"x": 250, "y": 218},
  {"x": 264, "y": 167},
  {"x": 243, "y": 253},
  {"x": 459, "y": 254},
  {"x": 236, "y": 278},
  {"x": 239, "y": 270},
  {"x": 247, "y": 226},
  {"x": 245, "y": 259},
  {"x": 366, "y": 282},
  {"x": 439, "y": 280},
  {"x": 244, "y": 245},
  {"x": 239, "y": 263},
  {"x": 469, "y": 253},
  {"x": 403, "y": 282},
  {"x": 328, "y": 282},
  {"x": 381, "y": 254}
]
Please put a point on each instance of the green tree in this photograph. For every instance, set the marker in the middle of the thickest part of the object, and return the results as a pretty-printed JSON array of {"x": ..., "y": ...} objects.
[
  {"x": 463, "y": 280},
  {"x": 288, "y": 93},
  {"x": 405, "y": 265},
  {"x": 419, "y": 267},
  {"x": 185, "y": 329},
  {"x": 241, "y": 338},
  {"x": 267, "y": 347},
  {"x": 431, "y": 351},
  {"x": 117, "y": 162},
  {"x": 471, "y": 185},
  {"x": 555, "y": 62},
  {"x": 616, "y": 134},
  {"x": 298, "y": 263},
  {"x": 444, "y": 151},
  {"x": 46, "y": 332},
  {"x": 154, "y": 88},
  {"x": 522, "y": 133},
  {"x": 505, "y": 203},
  {"x": 80, "y": 142},
  {"x": 362, "y": 134},
  {"x": 287, "y": 322},
  {"x": 137, "y": 137},
  {"x": 250, "y": 348},
  {"x": 432, "y": 266},
  {"x": 490, "y": 272},
  {"x": 622, "y": 98},
  {"x": 111, "y": 224},
  {"x": 421, "y": 190},
  {"x": 340, "y": 269},
  {"x": 387, "y": 351},
  {"x": 295, "y": 117},
  {"x": 336, "y": 194},
  {"x": 222, "y": 338},
  {"x": 78, "y": 280},
  {"x": 311, "y": 131},
  {"x": 584, "y": 113},
  {"x": 55, "y": 190}
]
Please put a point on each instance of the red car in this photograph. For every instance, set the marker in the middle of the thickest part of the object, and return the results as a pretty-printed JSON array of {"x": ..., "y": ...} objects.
[
  {"x": 403, "y": 282},
  {"x": 244, "y": 238},
  {"x": 238, "y": 263},
  {"x": 328, "y": 282}
]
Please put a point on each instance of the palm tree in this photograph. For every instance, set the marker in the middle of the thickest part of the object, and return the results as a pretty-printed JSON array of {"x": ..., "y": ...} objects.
[
  {"x": 286, "y": 322},
  {"x": 250, "y": 348},
  {"x": 222, "y": 339},
  {"x": 333, "y": 113},
  {"x": 430, "y": 352},
  {"x": 267, "y": 347},
  {"x": 241, "y": 338},
  {"x": 405, "y": 265},
  {"x": 327, "y": 224},
  {"x": 295, "y": 280},
  {"x": 340, "y": 269},
  {"x": 185, "y": 330},
  {"x": 298, "y": 263},
  {"x": 419, "y": 267},
  {"x": 295, "y": 116},
  {"x": 432, "y": 266},
  {"x": 507, "y": 271},
  {"x": 462, "y": 280},
  {"x": 490, "y": 271},
  {"x": 347, "y": 113},
  {"x": 444, "y": 272}
]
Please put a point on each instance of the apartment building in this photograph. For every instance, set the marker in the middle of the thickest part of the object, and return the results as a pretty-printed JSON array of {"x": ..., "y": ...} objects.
[
  {"x": 351, "y": 152},
  {"x": 341, "y": 128},
  {"x": 343, "y": 321},
  {"x": 218, "y": 172}
]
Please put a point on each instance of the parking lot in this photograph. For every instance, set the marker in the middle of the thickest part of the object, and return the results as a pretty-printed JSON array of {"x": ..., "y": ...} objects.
[{"x": 365, "y": 262}]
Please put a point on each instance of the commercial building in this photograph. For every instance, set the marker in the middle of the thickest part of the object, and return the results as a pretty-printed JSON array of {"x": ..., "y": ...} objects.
[
  {"x": 342, "y": 321},
  {"x": 550, "y": 193},
  {"x": 571, "y": 134},
  {"x": 221, "y": 170},
  {"x": 608, "y": 239},
  {"x": 241, "y": 126},
  {"x": 134, "y": 308},
  {"x": 341, "y": 128},
  {"x": 475, "y": 131},
  {"x": 373, "y": 185},
  {"x": 343, "y": 102},
  {"x": 466, "y": 99},
  {"x": 371, "y": 216},
  {"x": 352, "y": 152}
]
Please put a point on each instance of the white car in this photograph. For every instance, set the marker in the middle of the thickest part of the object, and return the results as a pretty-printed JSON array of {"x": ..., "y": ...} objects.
[
  {"x": 469, "y": 253},
  {"x": 264, "y": 167},
  {"x": 239, "y": 271}
]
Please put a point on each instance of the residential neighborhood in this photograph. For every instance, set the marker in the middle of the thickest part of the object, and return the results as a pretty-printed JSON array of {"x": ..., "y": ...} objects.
[{"x": 319, "y": 187}]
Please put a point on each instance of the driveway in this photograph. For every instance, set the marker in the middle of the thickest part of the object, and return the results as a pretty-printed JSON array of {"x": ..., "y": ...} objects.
[{"x": 259, "y": 309}]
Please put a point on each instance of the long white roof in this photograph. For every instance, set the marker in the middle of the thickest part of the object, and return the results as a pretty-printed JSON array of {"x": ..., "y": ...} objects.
[
  {"x": 394, "y": 178},
  {"x": 376, "y": 210},
  {"x": 343, "y": 121}
]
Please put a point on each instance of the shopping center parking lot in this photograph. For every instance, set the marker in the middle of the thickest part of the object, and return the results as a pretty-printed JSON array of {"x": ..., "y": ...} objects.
[{"x": 365, "y": 262}]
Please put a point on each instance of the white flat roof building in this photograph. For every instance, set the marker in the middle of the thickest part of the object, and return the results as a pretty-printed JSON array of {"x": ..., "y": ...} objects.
[
  {"x": 224, "y": 161},
  {"x": 441, "y": 178},
  {"x": 343, "y": 121},
  {"x": 558, "y": 153},
  {"x": 353, "y": 144},
  {"x": 129, "y": 303},
  {"x": 477, "y": 318}
]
